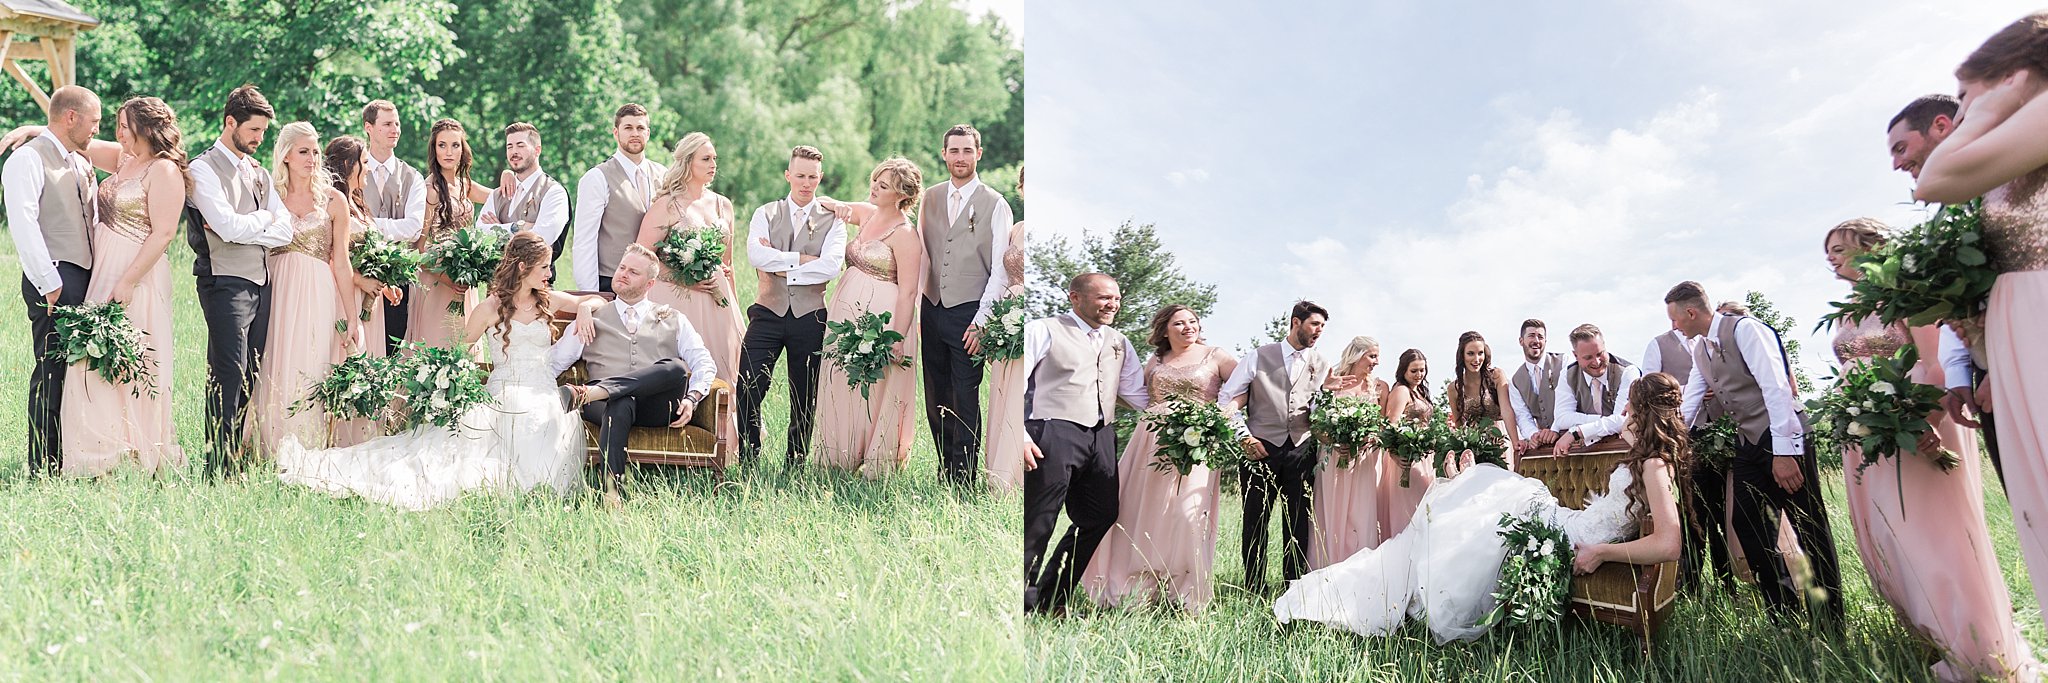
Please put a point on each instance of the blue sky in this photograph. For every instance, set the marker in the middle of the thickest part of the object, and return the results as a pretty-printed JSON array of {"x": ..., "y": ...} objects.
[{"x": 1423, "y": 169}]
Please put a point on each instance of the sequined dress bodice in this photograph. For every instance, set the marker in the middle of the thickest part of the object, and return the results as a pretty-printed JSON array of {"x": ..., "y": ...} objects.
[
  {"x": 1201, "y": 381},
  {"x": 873, "y": 257},
  {"x": 1419, "y": 408},
  {"x": 1013, "y": 258},
  {"x": 1868, "y": 338},
  {"x": 124, "y": 208},
  {"x": 459, "y": 217},
  {"x": 2015, "y": 219},
  {"x": 310, "y": 236}
]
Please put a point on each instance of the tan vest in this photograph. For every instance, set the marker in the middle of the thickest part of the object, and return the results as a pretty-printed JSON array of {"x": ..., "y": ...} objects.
[
  {"x": 1076, "y": 382},
  {"x": 776, "y": 293},
  {"x": 528, "y": 207},
  {"x": 388, "y": 200},
  {"x": 1677, "y": 362},
  {"x": 615, "y": 353},
  {"x": 961, "y": 252},
  {"x": 1582, "y": 385},
  {"x": 624, "y": 206},
  {"x": 1540, "y": 393},
  {"x": 1276, "y": 409},
  {"x": 65, "y": 209},
  {"x": 1734, "y": 383},
  {"x": 211, "y": 254}
]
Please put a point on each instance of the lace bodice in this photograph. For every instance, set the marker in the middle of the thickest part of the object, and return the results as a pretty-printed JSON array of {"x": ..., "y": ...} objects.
[
  {"x": 523, "y": 362},
  {"x": 874, "y": 257},
  {"x": 1201, "y": 381},
  {"x": 1013, "y": 258},
  {"x": 2016, "y": 224},
  {"x": 310, "y": 236},
  {"x": 1419, "y": 409},
  {"x": 1868, "y": 338},
  {"x": 459, "y": 217},
  {"x": 1605, "y": 519},
  {"x": 1480, "y": 406},
  {"x": 124, "y": 208}
]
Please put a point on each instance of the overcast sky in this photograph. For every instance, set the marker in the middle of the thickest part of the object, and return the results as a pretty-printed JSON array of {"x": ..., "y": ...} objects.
[{"x": 1422, "y": 169}]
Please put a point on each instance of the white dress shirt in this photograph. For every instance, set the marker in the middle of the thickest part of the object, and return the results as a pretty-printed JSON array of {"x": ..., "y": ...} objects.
[
  {"x": 1525, "y": 419},
  {"x": 269, "y": 226},
  {"x": 554, "y": 207},
  {"x": 767, "y": 259},
  {"x": 1759, "y": 348},
  {"x": 689, "y": 348},
  {"x": 408, "y": 228},
  {"x": 1958, "y": 361},
  {"x": 1590, "y": 425},
  {"x": 592, "y": 195},
  {"x": 957, "y": 200},
  {"x": 1240, "y": 380},
  {"x": 1130, "y": 384},
  {"x": 22, "y": 181}
]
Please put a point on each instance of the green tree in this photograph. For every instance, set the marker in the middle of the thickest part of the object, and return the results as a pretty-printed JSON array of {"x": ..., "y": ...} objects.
[
  {"x": 1146, "y": 272},
  {"x": 1762, "y": 309}
]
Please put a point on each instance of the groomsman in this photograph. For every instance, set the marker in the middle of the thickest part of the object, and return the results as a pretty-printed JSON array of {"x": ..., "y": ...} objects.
[
  {"x": 539, "y": 203},
  {"x": 1912, "y": 134},
  {"x": 1671, "y": 353},
  {"x": 1589, "y": 401},
  {"x": 1533, "y": 389},
  {"x": 966, "y": 228},
  {"x": 1079, "y": 367},
  {"x": 1267, "y": 396},
  {"x": 397, "y": 196},
  {"x": 232, "y": 220},
  {"x": 50, "y": 191},
  {"x": 611, "y": 199},
  {"x": 798, "y": 246},
  {"x": 1743, "y": 361}
]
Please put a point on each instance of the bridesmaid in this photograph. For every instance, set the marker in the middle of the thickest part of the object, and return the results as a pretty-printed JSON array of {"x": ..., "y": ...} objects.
[
  {"x": 346, "y": 157},
  {"x": 307, "y": 278},
  {"x": 2000, "y": 151},
  {"x": 1935, "y": 565},
  {"x": 451, "y": 205},
  {"x": 1347, "y": 499},
  {"x": 1005, "y": 427},
  {"x": 1479, "y": 391},
  {"x": 139, "y": 206},
  {"x": 1407, "y": 401},
  {"x": 1164, "y": 543},
  {"x": 685, "y": 201},
  {"x": 873, "y": 436}
]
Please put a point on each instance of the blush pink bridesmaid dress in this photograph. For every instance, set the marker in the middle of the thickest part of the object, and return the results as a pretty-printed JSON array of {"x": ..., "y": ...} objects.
[
  {"x": 871, "y": 435},
  {"x": 1347, "y": 499},
  {"x": 303, "y": 342},
  {"x": 1163, "y": 546},
  {"x": 2015, "y": 219},
  {"x": 106, "y": 424}
]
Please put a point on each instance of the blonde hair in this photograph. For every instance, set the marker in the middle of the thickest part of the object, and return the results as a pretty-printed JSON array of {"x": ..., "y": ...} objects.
[
  {"x": 294, "y": 133},
  {"x": 903, "y": 177},
  {"x": 1357, "y": 349},
  {"x": 1864, "y": 234},
  {"x": 679, "y": 174}
]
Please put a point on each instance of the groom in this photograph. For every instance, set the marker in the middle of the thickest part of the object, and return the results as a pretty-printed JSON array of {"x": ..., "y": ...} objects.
[
  {"x": 966, "y": 227},
  {"x": 49, "y": 194},
  {"x": 1742, "y": 361},
  {"x": 1268, "y": 397},
  {"x": 648, "y": 367},
  {"x": 232, "y": 220},
  {"x": 1079, "y": 367}
]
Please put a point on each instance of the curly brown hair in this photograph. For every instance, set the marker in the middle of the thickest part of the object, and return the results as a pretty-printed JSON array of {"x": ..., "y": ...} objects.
[
  {"x": 153, "y": 123},
  {"x": 523, "y": 253},
  {"x": 344, "y": 157},
  {"x": 1486, "y": 386},
  {"x": 1654, "y": 418},
  {"x": 1160, "y": 344}
]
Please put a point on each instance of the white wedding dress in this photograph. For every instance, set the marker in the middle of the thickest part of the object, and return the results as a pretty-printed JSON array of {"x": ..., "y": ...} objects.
[
  {"x": 521, "y": 442},
  {"x": 1444, "y": 567}
]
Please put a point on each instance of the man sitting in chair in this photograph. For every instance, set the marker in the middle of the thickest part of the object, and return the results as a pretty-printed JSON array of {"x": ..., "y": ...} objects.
[
  {"x": 1594, "y": 389},
  {"x": 648, "y": 367}
]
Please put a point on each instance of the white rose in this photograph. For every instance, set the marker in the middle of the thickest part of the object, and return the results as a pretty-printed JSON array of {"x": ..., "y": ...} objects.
[
  {"x": 1548, "y": 547},
  {"x": 1885, "y": 388},
  {"x": 1870, "y": 405},
  {"x": 441, "y": 382},
  {"x": 1191, "y": 436},
  {"x": 1857, "y": 429},
  {"x": 1910, "y": 263},
  {"x": 1013, "y": 318},
  {"x": 867, "y": 347},
  {"x": 439, "y": 402},
  {"x": 1532, "y": 545},
  {"x": 1854, "y": 411}
]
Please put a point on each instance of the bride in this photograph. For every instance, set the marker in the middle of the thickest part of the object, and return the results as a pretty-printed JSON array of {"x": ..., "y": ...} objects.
[
  {"x": 1444, "y": 567},
  {"x": 525, "y": 440}
]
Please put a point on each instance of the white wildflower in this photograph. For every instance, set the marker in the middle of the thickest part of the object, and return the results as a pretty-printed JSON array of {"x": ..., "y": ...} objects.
[{"x": 1885, "y": 388}]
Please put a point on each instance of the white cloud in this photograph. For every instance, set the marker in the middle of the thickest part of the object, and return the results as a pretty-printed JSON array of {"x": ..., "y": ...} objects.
[{"x": 1183, "y": 178}]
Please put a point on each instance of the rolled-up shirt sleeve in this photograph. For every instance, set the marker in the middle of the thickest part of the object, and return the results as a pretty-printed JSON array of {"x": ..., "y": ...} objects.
[
  {"x": 1766, "y": 360},
  {"x": 1610, "y": 424},
  {"x": 564, "y": 353},
  {"x": 1130, "y": 383},
  {"x": 998, "y": 277},
  {"x": 1956, "y": 369},
  {"x": 263, "y": 227},
  {"x": 22, "y": 179},
  {"x": 690, "y": 348},
  {"x": 591, "y": 197}
]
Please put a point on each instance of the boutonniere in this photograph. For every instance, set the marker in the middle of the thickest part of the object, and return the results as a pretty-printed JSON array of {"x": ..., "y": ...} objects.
[
  {"x": 663, "y": 314},
  {"x": 970, "y": 218}
]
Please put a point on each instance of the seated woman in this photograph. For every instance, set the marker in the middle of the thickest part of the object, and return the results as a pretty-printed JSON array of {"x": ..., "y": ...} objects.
[{"x": 1444, "y": 567}]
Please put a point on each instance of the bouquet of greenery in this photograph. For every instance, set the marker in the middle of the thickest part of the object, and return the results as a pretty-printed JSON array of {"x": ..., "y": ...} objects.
[
  {"x": 469, "y": 259},
  {"x": 691, "y": 257},
  {"x": 359, "y": 387},
  {"x": 439, "y": 384},
  {"x": 1349, "y": 424},
  {"x": 385, "y": 260},
  {"x": 1002, "y": 337},
  {"x": 1877, "y": 406},
  {"x": 1715, "y": 446},
  {"x": 1484, "y": 440},
  {"x": 1932, "y": 272},
  {"x": 1191, "y": 433},
  {"x": 864, "y": 347},
  {"x": 1409, "y": 442},
  {"x": 100, "y": 336},
  {"x": 1535, "y": 575}
]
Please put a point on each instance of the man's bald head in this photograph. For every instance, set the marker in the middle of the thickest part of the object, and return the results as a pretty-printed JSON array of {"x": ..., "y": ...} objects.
[
  {"x": 1095, "y": 297},
  {"x": 75, "y": 115},
  {"x": 1088, "y": 282}
]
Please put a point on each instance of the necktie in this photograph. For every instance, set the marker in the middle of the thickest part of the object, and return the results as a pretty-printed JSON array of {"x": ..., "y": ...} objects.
[
  {"x": 640, "y": 182},
  {"x": 632, "y": 319},
  {"x": 953, "y": 207},
  {"x": 1296, "y": 368},
  {"x": 1599, "y": 397}
]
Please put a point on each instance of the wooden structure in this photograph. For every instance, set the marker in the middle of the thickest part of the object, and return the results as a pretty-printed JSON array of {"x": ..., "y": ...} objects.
[
  {"x": 41, "y": 30},
  {"x": 1636, "y": 597}
]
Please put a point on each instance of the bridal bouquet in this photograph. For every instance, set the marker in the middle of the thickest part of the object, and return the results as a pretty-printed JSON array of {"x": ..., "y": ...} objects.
[
  {"x": 100, "y": 336},
  {"x": 1349, "y": 424},
  {"x": 691, "y": 257},
  {"x": 439, "y": 384},
  {"x": 1192, "y": 432},
  {"x": 1932, "y": 272},
  {"x": 1002, "y": 337},
  {"x": 385, "y": 260},
  {"x": 1535, "y": 575},
  {"x": 864, "y": 348},
  {"x": 1483, "y": 439},
  {"x": 1715, "y": 446},
  {"x": 1409, "y": 442},
  {"x": 1876, "y": 405},
  {"x": 469, "y": 259},
  {"x": 360, "y": 387}
]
